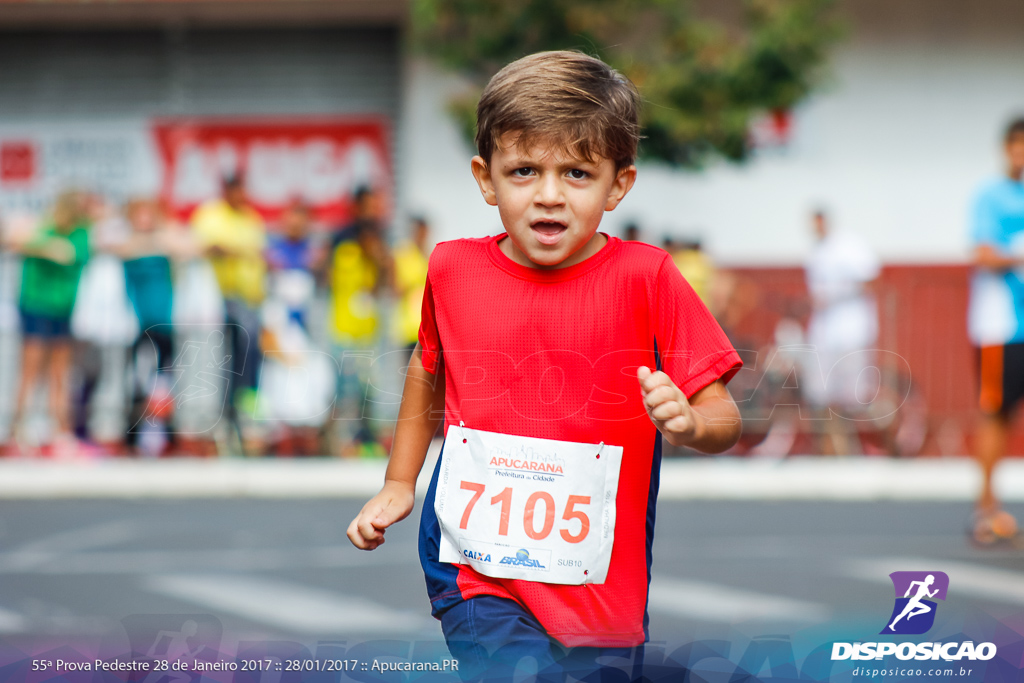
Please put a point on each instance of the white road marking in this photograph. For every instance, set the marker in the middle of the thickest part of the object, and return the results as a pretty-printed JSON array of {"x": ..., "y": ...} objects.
[
  {"x": 199, "y": 478},
  {"x": 817, "y": 478},
  {"x": 43, "y": 551},
  {"x": 150, "y": 561},
  {"x": 11, "y": 622},
  {"x": 93, "y": 536},
  {"x": 287, "y": 605},
  {"x": 724, "y": 604},
  {"x": 722, "y": 478},
  {"x": 979, "y": 581}
]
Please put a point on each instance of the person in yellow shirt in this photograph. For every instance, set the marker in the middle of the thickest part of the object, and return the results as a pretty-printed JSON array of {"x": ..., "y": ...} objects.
[
  {"x": 232, "y": 236},
  {"x": 695, "y": 265},
  {"x": 360, "y": 270},
  {"x": 410, "y": 278}
]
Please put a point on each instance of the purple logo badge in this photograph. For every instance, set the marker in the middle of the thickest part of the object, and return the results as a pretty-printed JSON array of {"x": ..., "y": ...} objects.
[{"x": 916, "y": 592}]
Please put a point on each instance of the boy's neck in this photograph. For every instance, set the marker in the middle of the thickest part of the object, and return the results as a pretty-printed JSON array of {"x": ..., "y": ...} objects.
[{"x": 594, "y": 245}]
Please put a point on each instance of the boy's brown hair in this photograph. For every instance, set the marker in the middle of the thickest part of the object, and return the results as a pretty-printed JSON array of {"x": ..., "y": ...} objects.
[{"x": 564, "y": 98}]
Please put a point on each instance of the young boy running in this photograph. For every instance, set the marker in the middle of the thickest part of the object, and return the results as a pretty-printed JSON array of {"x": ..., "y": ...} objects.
[{"x": 549, "y": 351}]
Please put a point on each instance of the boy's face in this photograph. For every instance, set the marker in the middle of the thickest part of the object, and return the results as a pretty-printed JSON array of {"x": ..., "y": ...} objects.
[{"x": 551, "y": 203}]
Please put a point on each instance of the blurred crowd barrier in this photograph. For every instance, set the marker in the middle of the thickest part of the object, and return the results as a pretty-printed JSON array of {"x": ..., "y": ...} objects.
[
  {"x": 125, "y": 331},
  {"x": 310, "y": 362},
  {"x": 925, "y": 402}
]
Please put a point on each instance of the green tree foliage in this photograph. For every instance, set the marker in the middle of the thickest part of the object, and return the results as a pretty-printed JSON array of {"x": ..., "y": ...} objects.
[{"x": 702, "y": 81}]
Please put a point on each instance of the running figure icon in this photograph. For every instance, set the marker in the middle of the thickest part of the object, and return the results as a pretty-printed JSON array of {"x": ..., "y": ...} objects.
[
  {"x": 914, "y": 606},
  {"x": 916, "y": 595}
]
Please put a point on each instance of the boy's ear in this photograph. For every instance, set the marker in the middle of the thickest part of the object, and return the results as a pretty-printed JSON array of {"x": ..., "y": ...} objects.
[
  {"x": 622, "y": 184},
  {"x": 482, "y": 173}
]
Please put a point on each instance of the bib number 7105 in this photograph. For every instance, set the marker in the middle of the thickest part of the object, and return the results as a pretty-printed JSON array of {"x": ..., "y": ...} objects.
[
  {"x": 530, "y": 516},
  {"x": 519, "y": 507}
]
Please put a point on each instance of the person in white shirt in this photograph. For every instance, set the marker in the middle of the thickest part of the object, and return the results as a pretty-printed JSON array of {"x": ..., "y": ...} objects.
[{"x": 843, "y": 328}]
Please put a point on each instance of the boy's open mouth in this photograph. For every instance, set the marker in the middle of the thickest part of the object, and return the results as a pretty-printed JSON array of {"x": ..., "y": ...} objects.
[{"x": 548, "y": 231}]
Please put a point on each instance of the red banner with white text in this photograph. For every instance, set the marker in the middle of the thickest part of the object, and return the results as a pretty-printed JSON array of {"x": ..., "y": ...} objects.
[{"x": 320, "y": 162}]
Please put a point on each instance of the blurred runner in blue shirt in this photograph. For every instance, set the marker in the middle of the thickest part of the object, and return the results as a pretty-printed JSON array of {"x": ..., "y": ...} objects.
[{"x": 996, "y": 326}]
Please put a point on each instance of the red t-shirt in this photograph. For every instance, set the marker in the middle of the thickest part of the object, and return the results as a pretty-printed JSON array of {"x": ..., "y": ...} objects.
[{"x": 553, "y": 354}]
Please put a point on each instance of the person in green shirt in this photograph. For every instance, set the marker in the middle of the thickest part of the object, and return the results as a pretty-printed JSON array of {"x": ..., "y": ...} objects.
[{"x": 54, "y": 255}]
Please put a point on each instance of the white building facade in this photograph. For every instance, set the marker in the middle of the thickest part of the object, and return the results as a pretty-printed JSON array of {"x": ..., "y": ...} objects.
[{"x": 893, "y": 146}]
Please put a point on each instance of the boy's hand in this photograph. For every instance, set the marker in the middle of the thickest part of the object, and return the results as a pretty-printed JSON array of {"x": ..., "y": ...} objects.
[
  {"x": 668, "y": 408},
  {"x": 393, "y": 504}
]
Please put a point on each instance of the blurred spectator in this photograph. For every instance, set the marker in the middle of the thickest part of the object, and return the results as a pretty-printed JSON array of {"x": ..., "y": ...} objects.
[
  {"x": 104, "y": 326},
  {"x": 410, "y": 279},
  {"x": 695, "y": 265},
  {"x": 291, "y": 258},
  {"x": 297, "y": 382},
  {"x": 149, "y": 251},
  {"x": 54, "y": 254},
  {"x": 996, "y": 326},
  {"x": 231, "y": 234},
  {"x": 631, "y": 233},
  {"x": 360, "y": 269},
  {"x": 733, "y": 298},
  {"x": 298, "y": 410},
  {"x": 776, "y": 398},
  {"x": 292, "y": 247},
  {"x": 843, "y": 328}
]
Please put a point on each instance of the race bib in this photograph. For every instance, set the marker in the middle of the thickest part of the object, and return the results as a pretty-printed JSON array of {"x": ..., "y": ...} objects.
[{"x": 517, "y": 507}]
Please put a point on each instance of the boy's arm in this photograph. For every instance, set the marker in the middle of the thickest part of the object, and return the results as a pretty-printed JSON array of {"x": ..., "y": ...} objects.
[
  {"x": 418, "y": 418},
  {"x": 709, "y": 421}
]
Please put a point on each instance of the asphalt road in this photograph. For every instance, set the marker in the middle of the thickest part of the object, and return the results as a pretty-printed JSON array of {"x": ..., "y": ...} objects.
[{"x": 256, "y": 570}]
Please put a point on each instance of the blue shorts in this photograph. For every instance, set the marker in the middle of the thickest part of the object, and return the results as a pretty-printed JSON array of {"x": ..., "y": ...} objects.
[
  {"x": 44, "y": 326},
  {"x": 497, "y": 640}
]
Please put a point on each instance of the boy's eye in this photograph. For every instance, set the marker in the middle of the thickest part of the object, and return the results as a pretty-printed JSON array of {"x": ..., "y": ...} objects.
[
  {"x": 577, "y": 174},
  {"x": 522, "y": 172}
]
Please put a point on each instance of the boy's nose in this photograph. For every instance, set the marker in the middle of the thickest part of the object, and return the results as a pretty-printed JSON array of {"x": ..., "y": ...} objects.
[{"x": 549, "y": 191}]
